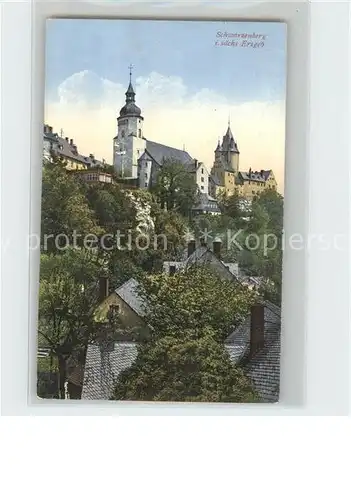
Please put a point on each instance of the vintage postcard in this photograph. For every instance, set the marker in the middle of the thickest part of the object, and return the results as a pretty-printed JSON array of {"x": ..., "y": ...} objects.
[{"x": 162, "y": 211}]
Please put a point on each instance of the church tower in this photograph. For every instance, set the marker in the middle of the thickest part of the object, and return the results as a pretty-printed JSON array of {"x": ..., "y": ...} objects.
[{"x": 129, "y": 143}]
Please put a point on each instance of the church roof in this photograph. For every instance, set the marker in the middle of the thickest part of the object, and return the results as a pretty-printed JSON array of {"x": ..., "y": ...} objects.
[
  {"x": 130, "y": 108},
  {"x": 160, "y": 153}
]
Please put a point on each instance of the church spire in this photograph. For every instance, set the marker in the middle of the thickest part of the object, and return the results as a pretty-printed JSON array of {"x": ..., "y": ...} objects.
[
  {"x": 130, "y": 108},
  {"x": 130, "y": 94}
]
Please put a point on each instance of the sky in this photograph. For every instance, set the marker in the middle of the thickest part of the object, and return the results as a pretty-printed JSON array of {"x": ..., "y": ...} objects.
[{"x": 187, "y": 85}]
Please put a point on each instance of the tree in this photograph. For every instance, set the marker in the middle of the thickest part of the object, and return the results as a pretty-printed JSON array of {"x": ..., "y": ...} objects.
[
  {"x": 112, "y": 208},
  {"x": 184, "y": 365},
  {"x": 65, "y": 211},
  {"x": 197, "y": 298},
  {"x": 68, "y": 296},
  {"x": 175, "y": 188}
]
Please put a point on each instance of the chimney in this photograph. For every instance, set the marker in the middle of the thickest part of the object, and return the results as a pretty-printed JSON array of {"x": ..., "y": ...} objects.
[
  {"x": 71, "y": 142},
  {"x": 195, "y": 161},
  {"x": 257, "y": 328},
  {"x": 66, "y": 139},
  {"x": 103, "y": 288},
  {"x": 217, "y": 246},
  {"x": 172, "y": 270},
  {"x": 50, "y": 130},
  {"x": 191, "y": 247}
]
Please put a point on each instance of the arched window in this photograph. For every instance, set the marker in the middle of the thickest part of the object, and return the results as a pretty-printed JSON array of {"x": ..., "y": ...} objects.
[{"x": 122, "y": 134}]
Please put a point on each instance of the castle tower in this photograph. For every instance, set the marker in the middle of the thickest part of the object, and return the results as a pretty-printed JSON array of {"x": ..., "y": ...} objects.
[
  {"x": 218, "y": 150},
  {"x": 129, "y": 143},
  {"x": 230, "y": 150}
]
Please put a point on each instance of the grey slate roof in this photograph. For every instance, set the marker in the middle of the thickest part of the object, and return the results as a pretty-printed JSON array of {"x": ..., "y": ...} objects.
[
  {"x": 103, "y": 365},
  {"x": 105, "y": 362},
  {"x": 203, "y": 255},
  {"x": 206, "y": 204},
  {"x": 264, "y": 367},
  {"x": 229, "y": 143},
  {"x": 255, "y": 176},
  {"x": 129, "y": 293},
  {"x": 160, "y": 152},
  {"x": 213, "y": 178}
]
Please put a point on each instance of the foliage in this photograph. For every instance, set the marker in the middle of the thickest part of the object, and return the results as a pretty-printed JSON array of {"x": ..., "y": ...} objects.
[
  {"x": 113, "y": 209},
  {"x": 197, "y": 298},
  {"x": 68, "y": 296},
  {"x": 65, "y": 210},
  {"x": 175, "y": 188},
  {"x": 184, "y": 365}
]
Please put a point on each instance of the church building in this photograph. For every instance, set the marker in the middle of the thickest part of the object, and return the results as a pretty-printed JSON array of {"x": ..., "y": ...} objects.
[
  {"x": 134, "y": 156},
  {"x": 139, "y": 160}
]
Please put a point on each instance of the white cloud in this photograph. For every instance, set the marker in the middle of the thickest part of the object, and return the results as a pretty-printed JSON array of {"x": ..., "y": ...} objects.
[{"x": 88, "y": 105}]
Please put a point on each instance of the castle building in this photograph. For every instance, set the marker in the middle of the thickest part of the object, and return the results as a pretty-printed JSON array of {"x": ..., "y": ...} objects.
[{"x": 226, "y": 178}]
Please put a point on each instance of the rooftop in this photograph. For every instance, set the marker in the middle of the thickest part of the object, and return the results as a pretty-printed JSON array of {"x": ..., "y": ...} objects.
[
  {"x": 129, "y": 294},
  {"x": 160, "y": 153}
]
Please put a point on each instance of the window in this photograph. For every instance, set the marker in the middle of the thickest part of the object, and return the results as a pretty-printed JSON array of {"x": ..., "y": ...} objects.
[
  {"x": 202, "y": 188},
  {"x": 202, "y": 170},
  {"x": 202, "y": 179},
  {"x": 114, "y": 308},
  {"x": 113, "y": 311},
  {"x": 145, "y": 175},
  {"x": 172, "y": 270},
  {"x": 139, "y": 132},
  {"x": 122, "y": 133}
]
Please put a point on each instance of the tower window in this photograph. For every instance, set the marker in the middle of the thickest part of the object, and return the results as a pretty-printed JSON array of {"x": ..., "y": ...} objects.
[
  {"x": 122, "y": 133},
  {"x": 202, "y": 170},
  {"x": 202, "y": 179},
  {"x": 139, "y": 132}
]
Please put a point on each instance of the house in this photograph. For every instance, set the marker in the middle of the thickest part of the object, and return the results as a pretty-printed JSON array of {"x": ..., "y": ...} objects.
[
  {"x": 125, "y": 303},
  {"x": 254, "y": 346},
  {"x": 203, "y": 255},
  {"x": 90, "y": 168},
  {"x": 206, "y": 205}
]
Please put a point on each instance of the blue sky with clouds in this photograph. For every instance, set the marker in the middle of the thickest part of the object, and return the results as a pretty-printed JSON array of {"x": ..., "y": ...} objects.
[
  {"x": 183, "y": 48},
  {"x": 186, "y": 85}
]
